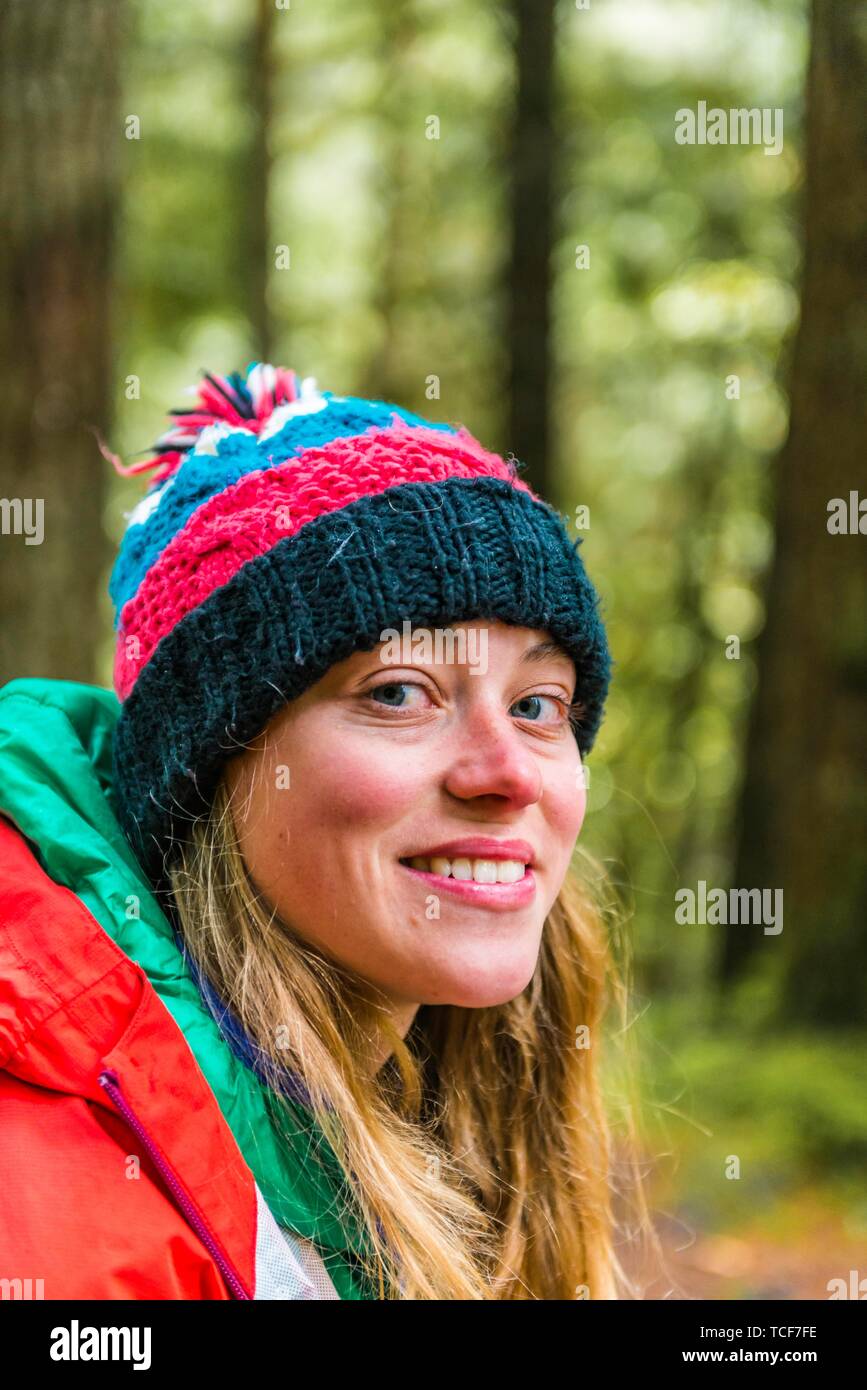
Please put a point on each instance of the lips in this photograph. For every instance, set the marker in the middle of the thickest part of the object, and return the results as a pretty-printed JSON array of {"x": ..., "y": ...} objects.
[
  {"x": 491, "y": 873},
  {"x": 498, "y": 897}
]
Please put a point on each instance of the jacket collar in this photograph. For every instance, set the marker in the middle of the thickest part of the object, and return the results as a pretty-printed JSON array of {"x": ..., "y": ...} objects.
[{"x": 95, "y": 993}]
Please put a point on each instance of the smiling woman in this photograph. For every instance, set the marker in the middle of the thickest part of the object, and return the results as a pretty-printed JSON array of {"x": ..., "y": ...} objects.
[{"x": 373, "y": 943}]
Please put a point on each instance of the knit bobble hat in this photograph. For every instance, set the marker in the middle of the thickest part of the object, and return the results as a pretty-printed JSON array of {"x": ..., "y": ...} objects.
[{"x": 285, "y": 528}]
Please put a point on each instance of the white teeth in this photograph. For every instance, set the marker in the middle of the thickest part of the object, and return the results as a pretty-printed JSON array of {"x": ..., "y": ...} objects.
[{"x": 479, "y": 870}]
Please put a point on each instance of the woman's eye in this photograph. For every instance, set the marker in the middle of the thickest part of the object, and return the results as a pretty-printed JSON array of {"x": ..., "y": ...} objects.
[
  {"x": 560, "y": 709},
  {"x": 391, "y": 693}
]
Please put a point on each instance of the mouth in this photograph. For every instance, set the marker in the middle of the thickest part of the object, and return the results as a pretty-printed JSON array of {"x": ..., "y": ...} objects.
[{"x": 479, "y": 880}]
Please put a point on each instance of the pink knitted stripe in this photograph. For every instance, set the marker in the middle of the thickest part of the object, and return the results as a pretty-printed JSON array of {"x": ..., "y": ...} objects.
[{"x": 249, "y": 517}]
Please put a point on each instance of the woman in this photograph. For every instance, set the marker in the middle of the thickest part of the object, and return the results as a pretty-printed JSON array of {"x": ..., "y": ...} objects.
[{"x": 299, "y": 997}]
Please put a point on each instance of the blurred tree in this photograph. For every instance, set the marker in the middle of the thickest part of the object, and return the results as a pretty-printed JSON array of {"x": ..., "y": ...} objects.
[
  {"x": 804, "y": 797},
  {"x": 387, "y": 372},
  {"x": 531, "y": 164},
  {"x": 58, "y": 184},
  {"x": 257, "y": 252}
]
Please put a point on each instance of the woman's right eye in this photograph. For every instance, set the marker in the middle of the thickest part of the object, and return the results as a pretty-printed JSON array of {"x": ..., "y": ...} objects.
[{"x": 390, "y": 690}]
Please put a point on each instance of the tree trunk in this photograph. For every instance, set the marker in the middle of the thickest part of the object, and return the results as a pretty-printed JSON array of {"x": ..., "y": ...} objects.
[
  {"x": 62, "y": 134},
  {"x": 531, "y": 216},
  {"x": 258, "y": 258},
  {"x": 802, "y": 815},
  {"x": 385, "y": 373}
]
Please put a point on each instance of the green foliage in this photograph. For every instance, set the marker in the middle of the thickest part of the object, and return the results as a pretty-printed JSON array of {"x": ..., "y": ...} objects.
[{"x": 790, "y": 1107}]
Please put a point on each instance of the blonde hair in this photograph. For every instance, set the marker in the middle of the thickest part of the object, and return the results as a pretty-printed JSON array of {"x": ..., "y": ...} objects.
[{"x": 480, "y": 1153}]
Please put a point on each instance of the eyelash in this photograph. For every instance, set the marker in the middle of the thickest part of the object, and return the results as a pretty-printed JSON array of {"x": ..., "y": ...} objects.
[{"x": 574, "y": 710}]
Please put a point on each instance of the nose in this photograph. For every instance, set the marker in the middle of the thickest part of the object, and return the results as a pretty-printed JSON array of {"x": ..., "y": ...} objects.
[{"x": 491, "y": 758}]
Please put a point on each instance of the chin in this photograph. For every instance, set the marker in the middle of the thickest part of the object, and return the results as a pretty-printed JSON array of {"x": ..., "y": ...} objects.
[{"x": 481, "y": 987}]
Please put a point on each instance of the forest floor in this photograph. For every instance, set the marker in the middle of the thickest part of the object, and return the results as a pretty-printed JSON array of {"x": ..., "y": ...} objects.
[{"x": 805, "y": 1243}]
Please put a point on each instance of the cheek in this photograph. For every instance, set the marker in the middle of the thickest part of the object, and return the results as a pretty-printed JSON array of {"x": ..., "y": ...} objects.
[
  {"x": 335, "y": 800},
  {"x": 567, "y": 807}
]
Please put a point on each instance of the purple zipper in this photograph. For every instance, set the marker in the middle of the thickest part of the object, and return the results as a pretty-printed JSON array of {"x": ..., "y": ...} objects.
[{"x": 110, "y": 1082}]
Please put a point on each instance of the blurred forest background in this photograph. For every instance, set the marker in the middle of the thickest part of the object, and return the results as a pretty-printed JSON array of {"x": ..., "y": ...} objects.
[{"x": 382, "y": 194}]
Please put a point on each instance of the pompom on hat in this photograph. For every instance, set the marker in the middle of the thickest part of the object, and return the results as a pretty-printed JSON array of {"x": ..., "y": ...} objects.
[{"x": 285, "y": 528}]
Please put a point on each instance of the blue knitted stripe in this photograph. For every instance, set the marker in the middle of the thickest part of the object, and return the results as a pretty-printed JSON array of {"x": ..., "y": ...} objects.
[{"x": 202, "y": 476}]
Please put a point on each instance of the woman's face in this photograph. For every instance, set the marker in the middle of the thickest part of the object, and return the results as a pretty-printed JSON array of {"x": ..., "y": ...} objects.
[{"x": 450, "y": 756}]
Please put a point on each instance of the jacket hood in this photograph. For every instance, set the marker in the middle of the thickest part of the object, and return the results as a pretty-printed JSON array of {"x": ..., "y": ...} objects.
[{"x": 56, "y": 788}]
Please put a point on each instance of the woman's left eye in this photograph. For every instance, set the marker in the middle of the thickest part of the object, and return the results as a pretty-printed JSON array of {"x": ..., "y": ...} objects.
[{"x": 559, "y": 706}]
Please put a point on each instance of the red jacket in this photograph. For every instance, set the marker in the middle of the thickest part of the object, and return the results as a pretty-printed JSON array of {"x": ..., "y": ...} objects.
[{"x": 73, "y": 1008}]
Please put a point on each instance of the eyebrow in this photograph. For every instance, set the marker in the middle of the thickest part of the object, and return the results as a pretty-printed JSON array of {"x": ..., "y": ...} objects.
[{"x": 542, "y": 651}]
